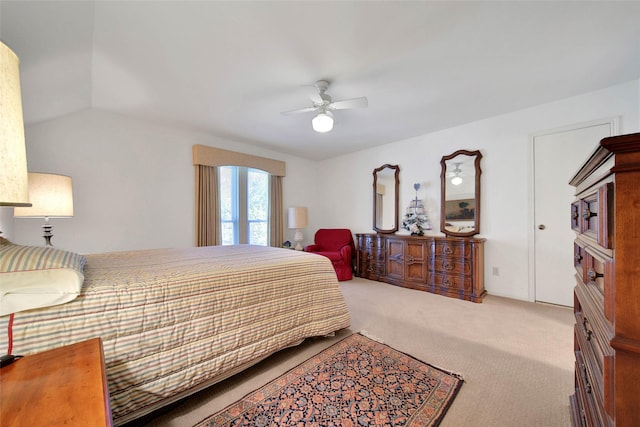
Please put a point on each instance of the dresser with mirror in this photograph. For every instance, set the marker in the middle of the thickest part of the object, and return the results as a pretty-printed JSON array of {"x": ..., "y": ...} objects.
[{"x": 450, "y": 265}]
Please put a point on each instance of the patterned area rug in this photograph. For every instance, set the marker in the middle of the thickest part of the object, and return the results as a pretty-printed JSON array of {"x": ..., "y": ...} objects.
[{"x": 355, "y": 382}]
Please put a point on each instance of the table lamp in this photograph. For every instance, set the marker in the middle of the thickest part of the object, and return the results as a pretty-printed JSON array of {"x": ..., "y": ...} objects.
[
  {"x": 51, "y": 196},
  {"x": 298, "y": 221}
]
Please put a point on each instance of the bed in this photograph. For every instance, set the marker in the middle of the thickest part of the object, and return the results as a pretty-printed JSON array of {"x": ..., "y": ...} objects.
[{"x": 174, "y": 321}]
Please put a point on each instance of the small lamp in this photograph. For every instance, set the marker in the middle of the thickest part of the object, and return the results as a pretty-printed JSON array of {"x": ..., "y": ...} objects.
[
  {"x": 51, "y": 197},
  {"x": 298, "y": 221},
  {"x": 323, "y": 122},
  {"x": 13, "y": 155}
]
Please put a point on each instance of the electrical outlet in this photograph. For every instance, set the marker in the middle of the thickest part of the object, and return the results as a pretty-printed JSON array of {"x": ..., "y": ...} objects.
[{"x": 496, "y": 271}]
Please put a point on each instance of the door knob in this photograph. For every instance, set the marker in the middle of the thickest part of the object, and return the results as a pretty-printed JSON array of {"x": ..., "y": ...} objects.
[{"x": 541, "y": 227}]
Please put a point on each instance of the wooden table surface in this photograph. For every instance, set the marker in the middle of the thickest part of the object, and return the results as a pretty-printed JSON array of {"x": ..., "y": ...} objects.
[{"x": 64, "y": 386}]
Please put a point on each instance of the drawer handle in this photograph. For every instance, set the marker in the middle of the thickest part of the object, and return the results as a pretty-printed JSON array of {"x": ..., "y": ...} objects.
[
  {"x": 448, "y": 266},
  {"x": 588, "y": 214},
  {"x": 593, "y": 275},
  {"x": 586, "y": 378},
  {"x": 397, "y": 257},
  {"x": 574, "y": 214},
  {"x": 447, "y": 250},
  {"x": 587, "y": 332},
  {"x": 448, "y": 283},
  {"x": 577, "y": 258}
]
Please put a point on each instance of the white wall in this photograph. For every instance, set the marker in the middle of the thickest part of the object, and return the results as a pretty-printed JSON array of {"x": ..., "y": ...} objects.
[
  {"x": 133, "y": 182},
  {"x": 505, "y": 145}
]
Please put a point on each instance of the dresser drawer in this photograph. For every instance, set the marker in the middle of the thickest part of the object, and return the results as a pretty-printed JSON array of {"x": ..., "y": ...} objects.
[
  {"x": 450, "y": 282},
  {"x": 374, "y": 255},
  {"x": 595, "y": 328},
  {"x": 577, "y": 413},
  {"x": 595, "y": 210},
  {"x": 575, "y": 217},
  {"x": 451, "y": 249},
  {"x": 591, "y": 363},
  {"x": 592, "y": 336},
  {"x": 578, "y": 259},
  {"x": 371, "y": 256},
  {"x": 595, "y": 378},
  {"x": 591, "y": 416},
  {"x": 373, "y": 269},
  {"x": 371, "y": 243},
  {"x": 451, "y": 265},
  {"x": 589, "y": 213},
  {"x": 598, "y": 275}
]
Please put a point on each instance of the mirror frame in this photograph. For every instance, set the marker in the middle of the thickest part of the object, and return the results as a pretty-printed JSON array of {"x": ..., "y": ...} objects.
[
  {"x": 396, "y": 201},
  {"x": 443, "y": 196}
]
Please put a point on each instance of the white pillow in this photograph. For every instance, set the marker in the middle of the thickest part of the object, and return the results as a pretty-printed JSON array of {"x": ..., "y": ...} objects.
[{"x": 37, "y": 276}]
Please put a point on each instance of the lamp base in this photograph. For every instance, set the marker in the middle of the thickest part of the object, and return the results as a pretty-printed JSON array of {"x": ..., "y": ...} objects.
[
  {"x": 297, "y": 237},
  {"x": 47, "y": 233}
]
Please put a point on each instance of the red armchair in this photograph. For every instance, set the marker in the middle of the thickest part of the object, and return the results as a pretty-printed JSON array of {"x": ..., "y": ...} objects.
[{"x": 337, "y": 245}]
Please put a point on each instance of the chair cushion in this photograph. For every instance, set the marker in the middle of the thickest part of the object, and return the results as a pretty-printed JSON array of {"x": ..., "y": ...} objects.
[{"x": 333, "y": 256}]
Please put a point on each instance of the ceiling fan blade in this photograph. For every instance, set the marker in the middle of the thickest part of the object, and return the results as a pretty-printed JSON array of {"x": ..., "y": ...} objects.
[
  {"x": 313, "y": 94},
  {"x": 315, "y": 97},
  {"x": 299, "y": 110},
  {"x": 349, "y": 103}
]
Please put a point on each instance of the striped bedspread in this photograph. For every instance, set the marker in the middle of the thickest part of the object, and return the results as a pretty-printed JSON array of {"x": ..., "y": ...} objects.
[{"x": 172, "y": 320}]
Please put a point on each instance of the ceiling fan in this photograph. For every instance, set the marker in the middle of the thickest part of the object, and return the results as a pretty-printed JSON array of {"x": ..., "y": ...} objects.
[{"x": 324, "y": 105}]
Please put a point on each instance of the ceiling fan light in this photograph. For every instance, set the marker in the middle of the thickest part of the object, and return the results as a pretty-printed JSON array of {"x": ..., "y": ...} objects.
[
  {"x": 323, "y": 122},
  {"x": 456, "y": 180}
]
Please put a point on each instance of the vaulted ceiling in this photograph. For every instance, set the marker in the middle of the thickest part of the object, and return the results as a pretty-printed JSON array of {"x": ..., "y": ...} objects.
[{"x": 230, "y": 67}]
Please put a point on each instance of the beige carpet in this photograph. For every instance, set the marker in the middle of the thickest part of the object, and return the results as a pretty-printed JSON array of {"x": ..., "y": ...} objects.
[{"x": 516, "y": 357}]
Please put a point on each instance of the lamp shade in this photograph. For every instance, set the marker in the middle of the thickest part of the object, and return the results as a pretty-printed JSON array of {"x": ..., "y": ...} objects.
[
  {"x": 51, "y": 196},
  {"x": 323, "y": 122},
  {"x": 298, "y": 217},
  {"x": 13, "y": 156}
]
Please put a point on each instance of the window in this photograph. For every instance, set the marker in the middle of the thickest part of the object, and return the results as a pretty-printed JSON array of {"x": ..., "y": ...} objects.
[
  {"x": 208, "y": 161},
  {"x": 244, "y": 205}
]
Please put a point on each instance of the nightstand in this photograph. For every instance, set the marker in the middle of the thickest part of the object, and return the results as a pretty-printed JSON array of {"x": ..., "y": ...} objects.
[{"x": 64, "y": 386}]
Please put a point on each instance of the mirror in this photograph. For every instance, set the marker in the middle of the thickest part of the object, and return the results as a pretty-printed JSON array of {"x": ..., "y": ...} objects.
[
  {"x": 386, "y": 186},
  {"x": 460, "y": 202}
]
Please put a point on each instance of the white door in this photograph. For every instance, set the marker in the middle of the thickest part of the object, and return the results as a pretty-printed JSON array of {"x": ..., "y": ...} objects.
[{"x": 557, "y": 156}]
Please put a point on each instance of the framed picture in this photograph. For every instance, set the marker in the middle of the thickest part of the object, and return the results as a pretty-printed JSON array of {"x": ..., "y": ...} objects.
[{"x": 460, "y": 210}]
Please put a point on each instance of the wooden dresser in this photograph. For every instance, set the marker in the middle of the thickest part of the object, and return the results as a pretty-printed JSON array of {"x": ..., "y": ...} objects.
[
  {"x": 606, "y": 219},
  {"x": 450, "y": 266}
]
